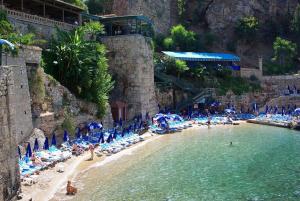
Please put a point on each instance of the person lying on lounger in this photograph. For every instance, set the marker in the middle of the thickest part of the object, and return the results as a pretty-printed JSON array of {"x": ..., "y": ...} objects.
[
  {"x": 35, "y": 160},
  {"x": 76, "y": 150}
]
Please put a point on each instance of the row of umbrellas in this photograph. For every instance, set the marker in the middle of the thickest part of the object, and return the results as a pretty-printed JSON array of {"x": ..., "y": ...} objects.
[{"x": 36, "y": 146}]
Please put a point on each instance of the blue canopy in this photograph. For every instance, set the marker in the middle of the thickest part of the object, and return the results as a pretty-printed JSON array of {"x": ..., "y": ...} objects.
[
  {"x": 53, "y": 141},
  {"x": 28, "y": 150},
  {"x": 46, "y": 144},
  {"x": 66, "y": 136},
  {"x": 36, "y": 145},
  {"x": 202, "y": 56}
]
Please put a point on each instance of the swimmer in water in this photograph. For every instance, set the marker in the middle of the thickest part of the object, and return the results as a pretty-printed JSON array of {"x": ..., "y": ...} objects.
[{"x": 230, "y": 144}]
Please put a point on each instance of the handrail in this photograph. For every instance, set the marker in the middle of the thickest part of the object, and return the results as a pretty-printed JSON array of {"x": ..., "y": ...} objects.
[{"x": 36, "y": 19}]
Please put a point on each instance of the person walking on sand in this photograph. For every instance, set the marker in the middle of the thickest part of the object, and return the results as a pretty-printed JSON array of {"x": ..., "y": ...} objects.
[{"x": 92, "y": 148}]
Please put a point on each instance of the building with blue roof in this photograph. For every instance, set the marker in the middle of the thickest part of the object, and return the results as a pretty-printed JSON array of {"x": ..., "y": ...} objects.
[{"x": 229, "y": 60}]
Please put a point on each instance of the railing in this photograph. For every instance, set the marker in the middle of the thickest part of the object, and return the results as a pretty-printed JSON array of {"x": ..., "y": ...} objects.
[{"x": 37, "y": 19}]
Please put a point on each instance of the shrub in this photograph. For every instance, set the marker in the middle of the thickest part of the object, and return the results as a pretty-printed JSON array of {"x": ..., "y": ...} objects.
[
  {"x": 247, "y": 27},
  {"x": 285, "y": 52},
  {"x": 80, "y": 64},
  {"x": 68, "y": 123}
]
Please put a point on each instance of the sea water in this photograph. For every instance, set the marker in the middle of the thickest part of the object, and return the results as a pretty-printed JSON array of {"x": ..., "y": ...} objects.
[{"x": 263, "y": 163}]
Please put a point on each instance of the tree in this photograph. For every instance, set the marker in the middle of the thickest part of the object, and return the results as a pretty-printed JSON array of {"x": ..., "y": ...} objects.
[
  {"x": 181, "y": 39},
  {"x": 296, "y": 20},
  {"x": 181, "y": 5},
  {"x": 284, "y": 52},
  {"x": 247, "y": 27},
  {"x": 97, "y": 6},
  {"x": 180, "y": 67},
  {"x": 80, "y": 64}
]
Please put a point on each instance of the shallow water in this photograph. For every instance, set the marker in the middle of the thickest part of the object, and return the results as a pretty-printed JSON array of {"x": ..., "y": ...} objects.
[{"x": 199, "y": 164}]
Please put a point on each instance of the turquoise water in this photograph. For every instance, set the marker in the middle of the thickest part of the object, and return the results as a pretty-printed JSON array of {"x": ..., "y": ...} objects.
[{"x": 262, "y": 164}]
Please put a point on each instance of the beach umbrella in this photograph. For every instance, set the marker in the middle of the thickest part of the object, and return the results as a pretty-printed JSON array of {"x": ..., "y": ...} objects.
[
  {"x": 297, "y": 111},
  {"x": 66, "y": 136},
  {"x": 267, "y": 109},
  {"x": 123, "y": 132},
  {"x": 275, "y": 110},
  {"x": 53, "y": 141},
  {"x": 109, "y": 139},
  {"x": 120, "y": 122},
  {"x": 46, "y": 144},
  {"x": 78, "y": 135},
  {"x": 289, "y": 88},
  {"x": 282, "y": 110},
  {"x": 115, "y": 134},
  {"x": 19, "y": 152},
  {"x": 28, "y": 150},
  {"x": 36, "y": 145},
  {"x": 100, "y": 138}
]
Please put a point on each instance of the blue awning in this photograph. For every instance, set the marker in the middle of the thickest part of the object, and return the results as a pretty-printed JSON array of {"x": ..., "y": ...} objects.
[{"x": 199, "y": 56}]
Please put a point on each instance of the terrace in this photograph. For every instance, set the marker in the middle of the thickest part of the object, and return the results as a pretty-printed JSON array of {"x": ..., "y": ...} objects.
[
  {"x": 123, "y": 25},
  {"x": 46, "y": 12}
]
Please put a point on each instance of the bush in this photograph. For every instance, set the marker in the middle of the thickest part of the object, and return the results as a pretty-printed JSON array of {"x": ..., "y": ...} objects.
[
  {"x": 80, "y": 64},
  {"x": 285, "y": 52},
  {"x": 69, "y": 124},
  {"x": 247, "y": 28}
]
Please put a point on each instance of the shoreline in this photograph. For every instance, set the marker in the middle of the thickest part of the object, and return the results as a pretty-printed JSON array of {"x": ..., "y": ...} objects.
[{"x": 50, "y": 182}]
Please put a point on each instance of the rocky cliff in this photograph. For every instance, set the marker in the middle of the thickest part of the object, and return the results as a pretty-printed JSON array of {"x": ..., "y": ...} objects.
[{"x": 221, "y": 16}]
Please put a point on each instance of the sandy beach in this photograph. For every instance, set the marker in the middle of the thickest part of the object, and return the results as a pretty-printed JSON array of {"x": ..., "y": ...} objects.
[
  {"x": 51, "y": 184},
  {"x": 50, "y": 181}
]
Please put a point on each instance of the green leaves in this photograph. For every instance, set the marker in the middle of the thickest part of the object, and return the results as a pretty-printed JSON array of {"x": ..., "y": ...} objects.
[
  {"x": 284, "y": 52},
  {"x": 80, "y": 64},
  {"x": 247, "y": 28},
  {"x": 296, "y": 20}
]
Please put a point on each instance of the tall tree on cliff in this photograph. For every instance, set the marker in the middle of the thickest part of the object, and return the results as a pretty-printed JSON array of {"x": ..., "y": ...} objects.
[
  {"x": 284, "y": 53},
  {"x": 80, "y": 64}
]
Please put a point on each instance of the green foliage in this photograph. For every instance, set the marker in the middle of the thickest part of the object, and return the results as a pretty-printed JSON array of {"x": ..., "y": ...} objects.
[
  {"x": 69, "y": 123},
  {"x": 181, "y": 39},
  {"x": 284, "y": 53},
  {"x": 80, "y": 64},
  {"x": 296, "y": 20},
  {"x": 79, "y": 3},
  {"x": 180, "y": 67},
  {"x": 247, "y": 28},
  {"x": 37, "y": 87},
  {"x": 97, "y": 6},
  {"x": 7, "y": 32}
]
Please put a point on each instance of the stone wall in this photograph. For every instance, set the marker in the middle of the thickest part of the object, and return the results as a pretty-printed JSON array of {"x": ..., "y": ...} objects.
[
  {"x": 15, "y": 124},
  {"x": 131, "y": 64},
  {"x": 157, "y": 10}
]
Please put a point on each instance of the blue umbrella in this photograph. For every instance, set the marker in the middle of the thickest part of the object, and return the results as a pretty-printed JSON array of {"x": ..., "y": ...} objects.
[
  {"x": 115, "y": 134},
  {"x": 276, "y": 110},
  {"x": 19, "y": 152},
  {"x": 282, "y": 110},
  {"x": 36, "y": 145},
  {"x": 267, "y": 109},
  {"x": 289, "y": 88},
  {"x": 100, "y": 138},
  {"x": 66, "y": 136},
  {"x": 120, "y": 122},
  {"x": 78, "y": 135},
  {"x": 109, "y": 139},
  {"x": 46, "y": 144},
  {"x": 6, "y": 42},
  {"x": 297, "y": 111},
  {"x": 123, "y": 132},
  {"x": 28, "y": 150},
  {"x": 53, "y": 141}
]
